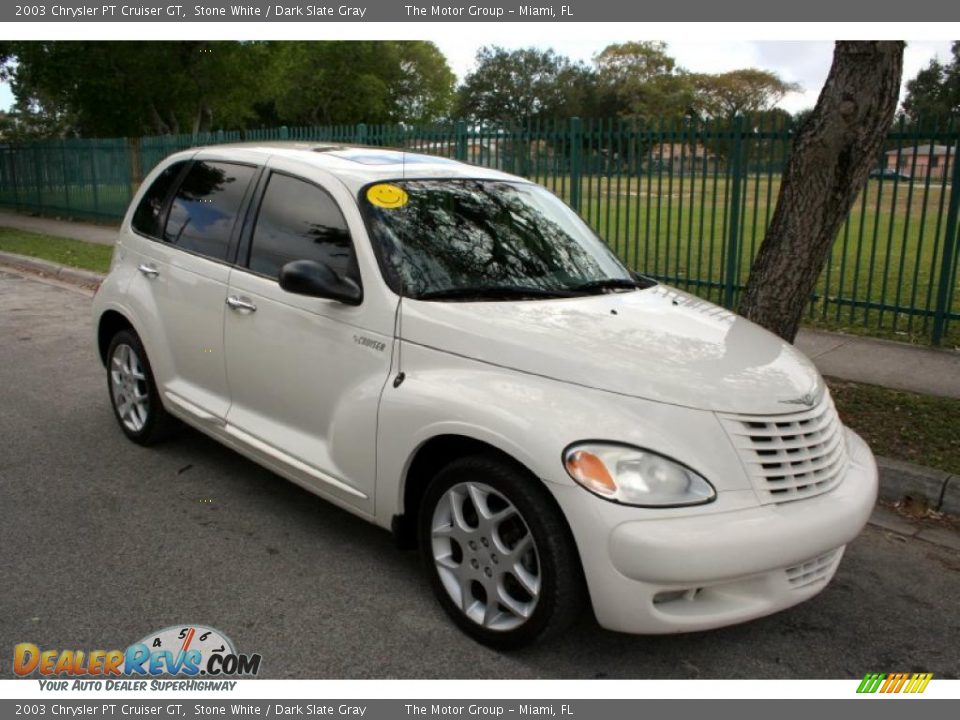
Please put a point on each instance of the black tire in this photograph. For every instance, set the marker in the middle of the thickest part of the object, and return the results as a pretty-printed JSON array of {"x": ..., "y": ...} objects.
[
  {"x": 562, "y": 589},
  {"x": 158, "y": 424}
]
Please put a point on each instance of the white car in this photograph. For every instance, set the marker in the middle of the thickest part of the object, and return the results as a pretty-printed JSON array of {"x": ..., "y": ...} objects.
[{"x": 450, "y": 352}]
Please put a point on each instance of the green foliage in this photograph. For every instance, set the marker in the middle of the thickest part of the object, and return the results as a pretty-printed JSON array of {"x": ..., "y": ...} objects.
[
  {"x": 20, "y": 126},
  {"x": 633, "y": 80},
  {"x": 114, "y": 89},
  {"x": 759, "y": 150},
  {"x": 6, "y": 55},
  {"x": 644, "y": 82},
  {"x": 515, "y": 86},
  {"x": 935, "y": 91},
  {"x": 423, "y": 88},
  {"x": 110, "y": 89},
  {"x": 739, "y": 92},
  {"x": 100, "y": 88},
  {"x": 347, "y": 82}
]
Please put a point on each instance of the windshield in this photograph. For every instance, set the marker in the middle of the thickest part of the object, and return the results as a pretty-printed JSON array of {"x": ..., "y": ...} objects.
[{"x": 484, "y": 238}]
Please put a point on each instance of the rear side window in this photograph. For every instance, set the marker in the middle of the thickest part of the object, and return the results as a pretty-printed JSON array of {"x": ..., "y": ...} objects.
[
  {"x": 205, "y": 207},
  {"x": 146, "y": 218},
  {"x": 299, "y": 221}
]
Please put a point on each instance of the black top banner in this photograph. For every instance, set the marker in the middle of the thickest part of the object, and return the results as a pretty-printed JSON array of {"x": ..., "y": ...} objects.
[{"x": 412, "y": 11}]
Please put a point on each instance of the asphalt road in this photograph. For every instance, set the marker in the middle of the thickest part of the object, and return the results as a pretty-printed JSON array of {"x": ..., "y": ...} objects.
[{"x": 102, "y": 541}]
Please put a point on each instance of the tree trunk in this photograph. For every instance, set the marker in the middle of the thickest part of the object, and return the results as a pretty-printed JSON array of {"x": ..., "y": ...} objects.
[
  {"x": 158, "y": 126},
  {"x": 204, "y": 118},
  {"x": 828, "y": 166}
]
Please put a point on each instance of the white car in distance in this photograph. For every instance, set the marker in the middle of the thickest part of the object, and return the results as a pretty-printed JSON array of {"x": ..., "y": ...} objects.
[{"x": 450, "y": 352}]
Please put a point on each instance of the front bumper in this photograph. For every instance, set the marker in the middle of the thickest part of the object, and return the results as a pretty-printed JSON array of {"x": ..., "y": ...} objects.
[{"x": 700, "y": 571}]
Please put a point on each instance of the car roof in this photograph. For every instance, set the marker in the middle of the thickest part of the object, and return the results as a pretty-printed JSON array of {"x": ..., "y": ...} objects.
[{"x": 355, "y": 165}]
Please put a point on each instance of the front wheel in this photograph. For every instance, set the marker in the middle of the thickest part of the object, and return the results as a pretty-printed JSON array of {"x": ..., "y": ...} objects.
[{"x": 500, "y": 556}]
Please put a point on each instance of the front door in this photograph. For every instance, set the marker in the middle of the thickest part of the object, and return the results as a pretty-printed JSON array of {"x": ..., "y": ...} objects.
[{"x": 305, "y": 373}]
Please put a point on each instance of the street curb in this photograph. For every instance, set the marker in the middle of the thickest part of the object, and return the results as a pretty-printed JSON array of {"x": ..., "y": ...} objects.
[
  {"x": 921, "y": 486},
  {"x": 46, "y": 267}
]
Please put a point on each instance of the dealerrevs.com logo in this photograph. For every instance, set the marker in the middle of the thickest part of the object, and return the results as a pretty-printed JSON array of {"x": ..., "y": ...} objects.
[{"x": 183, "y": 651}]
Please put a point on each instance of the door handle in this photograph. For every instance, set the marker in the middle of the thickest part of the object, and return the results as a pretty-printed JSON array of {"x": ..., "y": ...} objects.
[
  {"x": 149, "y": 270},
  {"x": 238, "y": 303}
]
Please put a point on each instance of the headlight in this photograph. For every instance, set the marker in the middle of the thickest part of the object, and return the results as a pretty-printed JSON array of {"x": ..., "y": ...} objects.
[{"x": 633, "y": 476}]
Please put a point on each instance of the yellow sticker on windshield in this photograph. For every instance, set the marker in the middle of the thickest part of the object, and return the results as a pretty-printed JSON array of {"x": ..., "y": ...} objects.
[{"x": 389, "y": 197}]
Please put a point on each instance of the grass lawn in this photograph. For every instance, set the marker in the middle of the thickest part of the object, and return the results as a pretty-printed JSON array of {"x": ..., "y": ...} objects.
[
  {"x": 75, "y": 253},
  {"x": 917, "y": 428}
]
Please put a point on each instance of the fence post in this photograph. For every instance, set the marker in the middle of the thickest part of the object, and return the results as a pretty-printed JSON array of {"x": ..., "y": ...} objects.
[
  {"x": 361, "y": 134},
  {"x": 66, "y": 183},
  {"x": 123, "y": 149},
  {"x": 36, "y": 176},
  {"x": 15, "y": 182},
  {"x": 949, "y": 251},
  {"x": 93, "y": 181},
  {"x": 732, "y": 274},
  {"x": 461, "y": 141},
  {"x": 576, "y": 130}
]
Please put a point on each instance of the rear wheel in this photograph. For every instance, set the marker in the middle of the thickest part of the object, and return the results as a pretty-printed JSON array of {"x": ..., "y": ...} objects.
[
  {"x": 133, "y": 392},
  {"x": 499, "y": 554}
]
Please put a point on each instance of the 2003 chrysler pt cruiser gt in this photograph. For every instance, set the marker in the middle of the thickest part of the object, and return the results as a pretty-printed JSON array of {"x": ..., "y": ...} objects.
[{"x": 450, "y": 352}]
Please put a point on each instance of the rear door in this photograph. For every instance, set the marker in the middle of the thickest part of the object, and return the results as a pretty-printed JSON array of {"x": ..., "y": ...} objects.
[
  {"x": 183, "y": 274},
  {"x": 306, "y": 373}
]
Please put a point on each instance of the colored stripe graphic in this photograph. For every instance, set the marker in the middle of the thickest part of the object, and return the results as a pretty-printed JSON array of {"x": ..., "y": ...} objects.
[{"x": 894, "y": 682}]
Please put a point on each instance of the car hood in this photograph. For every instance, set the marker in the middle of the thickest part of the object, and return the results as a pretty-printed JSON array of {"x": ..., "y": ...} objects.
[{"x": 659, "y": 344}]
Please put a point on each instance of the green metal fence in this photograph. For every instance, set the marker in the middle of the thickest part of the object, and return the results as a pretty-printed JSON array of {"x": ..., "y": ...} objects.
[{"x": 687, "y": 203}]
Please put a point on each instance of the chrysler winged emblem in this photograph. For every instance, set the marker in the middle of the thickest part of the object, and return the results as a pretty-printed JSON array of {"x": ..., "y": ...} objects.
[{"x": 809, "y": 399}]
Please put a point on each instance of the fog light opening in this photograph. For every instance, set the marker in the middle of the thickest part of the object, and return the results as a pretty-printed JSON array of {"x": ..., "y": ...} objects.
[{"x": 668, "y": 596}]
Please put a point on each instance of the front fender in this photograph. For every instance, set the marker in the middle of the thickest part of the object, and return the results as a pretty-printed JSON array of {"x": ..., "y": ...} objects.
[{"x": 532, "y": 419}]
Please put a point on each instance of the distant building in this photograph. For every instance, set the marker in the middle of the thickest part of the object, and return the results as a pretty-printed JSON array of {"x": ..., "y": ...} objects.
[
  {"x": 682, "y": 157},
  {"x": 485, "y": 151},
  {"x": 931, "y": 161}
]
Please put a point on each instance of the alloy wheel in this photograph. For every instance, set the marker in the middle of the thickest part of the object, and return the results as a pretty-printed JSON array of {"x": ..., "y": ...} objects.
[
  {"x": 130, "y": 392},
  {"x": 485, "y": 556}
]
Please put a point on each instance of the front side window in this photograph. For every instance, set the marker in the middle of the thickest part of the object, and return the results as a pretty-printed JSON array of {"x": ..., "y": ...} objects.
[
  {"x": 300, "y": 221},
  {"x": 205, "y": 207},
  {"x": 480, "y": 238},
  {"x": 146, "y": 218}
]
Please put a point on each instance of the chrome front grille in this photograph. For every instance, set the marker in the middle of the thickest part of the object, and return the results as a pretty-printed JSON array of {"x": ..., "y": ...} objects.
[
  {"x": 813, "y": 571},
  {"x": 791, "y": 456}
]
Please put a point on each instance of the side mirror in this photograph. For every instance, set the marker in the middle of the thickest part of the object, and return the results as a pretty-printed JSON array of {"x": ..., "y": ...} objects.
[{"x": 317, "y": 279}]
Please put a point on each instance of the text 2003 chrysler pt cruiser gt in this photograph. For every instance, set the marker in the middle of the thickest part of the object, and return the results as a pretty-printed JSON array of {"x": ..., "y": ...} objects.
[{"x": 450, "y": 352}]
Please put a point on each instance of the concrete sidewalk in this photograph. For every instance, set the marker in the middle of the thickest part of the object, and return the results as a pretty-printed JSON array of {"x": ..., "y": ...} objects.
[
  {"x": 88, "y": 232},
  {"x": 914, "y": 368}
]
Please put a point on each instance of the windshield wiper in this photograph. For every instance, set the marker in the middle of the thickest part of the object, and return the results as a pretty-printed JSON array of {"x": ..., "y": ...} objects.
[
  {"x": 608, "y": 284},
  {"x": 494, "y": 292}
]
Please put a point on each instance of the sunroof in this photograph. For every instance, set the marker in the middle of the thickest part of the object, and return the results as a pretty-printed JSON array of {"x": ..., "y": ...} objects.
[{"x": 387, "y": 157}]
